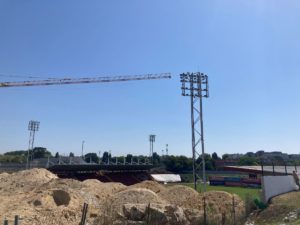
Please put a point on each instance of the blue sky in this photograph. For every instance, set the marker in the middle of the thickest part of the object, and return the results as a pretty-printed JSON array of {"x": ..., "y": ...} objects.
[{"x": 249, "y": 49}]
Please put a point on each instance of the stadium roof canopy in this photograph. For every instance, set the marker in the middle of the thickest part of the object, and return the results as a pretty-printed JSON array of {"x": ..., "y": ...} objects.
[
  {"x": 278, "y": 170},
  {"x": 166, "y": 178}
]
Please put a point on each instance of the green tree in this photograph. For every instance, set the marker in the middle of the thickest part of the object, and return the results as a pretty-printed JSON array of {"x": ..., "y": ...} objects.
[
  {"x": 247, "y": 161},
  {"x": 13, "y": 158},
  {"x": 71, "y": 154},
  {"x": 105, "y": 157},
  {"x": 215, "y": 156},
  {"x": 128, "y": 158},
  {"x": 91, "y": 157},
  {"x": 56, "y": 155},
  {"x": 177, "y": 163},
  {"x": 156, "y": 158},
  {"x": 225, "y": 156},
  {"x": 279, "y": 160},
  {"x": 209, "y": 165},
  {"x": 17, "y": 153},
  {"x": 40, "y": 152}
]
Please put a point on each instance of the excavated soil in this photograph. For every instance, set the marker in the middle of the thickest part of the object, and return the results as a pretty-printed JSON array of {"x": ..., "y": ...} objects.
[
  {"x": 40, "y": 197},
  {"x": 182, "y": 196},
  {"x": 150, "y": 185}
]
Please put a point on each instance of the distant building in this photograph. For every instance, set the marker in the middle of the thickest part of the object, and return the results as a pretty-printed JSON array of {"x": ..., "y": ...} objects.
[
  {"x": 269, "y": 156},
  {"x": 294, "y": 156},
  {"x": 234, "y": 156},
  {"x": 220, "y": 164}
]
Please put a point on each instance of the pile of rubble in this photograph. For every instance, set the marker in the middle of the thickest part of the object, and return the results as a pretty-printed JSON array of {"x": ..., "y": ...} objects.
[{"x": 40, "y": 197}]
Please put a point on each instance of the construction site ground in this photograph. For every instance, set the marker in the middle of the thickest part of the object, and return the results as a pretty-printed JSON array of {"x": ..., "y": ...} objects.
[
  {"x": 40, "y": 197},
  {"x": 282, "y": 210}
]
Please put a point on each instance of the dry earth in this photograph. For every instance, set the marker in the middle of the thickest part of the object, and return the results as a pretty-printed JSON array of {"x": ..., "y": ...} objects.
[
  {"x": 39, "y": 197},
  {"x": 283, "y": 210}
]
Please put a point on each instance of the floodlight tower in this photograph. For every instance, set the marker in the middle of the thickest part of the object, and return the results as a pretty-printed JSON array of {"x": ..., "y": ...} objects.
[
  {"x": 152, "y": 140},
  {"x": 197, "y": 89},
  {"x": 82, "y": 146},
  {"x": 33, "y": 126}
]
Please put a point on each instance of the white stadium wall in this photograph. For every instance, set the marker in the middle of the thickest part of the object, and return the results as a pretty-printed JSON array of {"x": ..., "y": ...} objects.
[{"x": 276, "y": 185}]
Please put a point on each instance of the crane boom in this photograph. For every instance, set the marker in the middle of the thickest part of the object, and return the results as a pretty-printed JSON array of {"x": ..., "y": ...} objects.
[{"x": 85, "y": 80}]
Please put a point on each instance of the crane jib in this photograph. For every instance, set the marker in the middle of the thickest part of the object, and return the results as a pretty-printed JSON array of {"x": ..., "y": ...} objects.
[{"x": 85, "y": 80}]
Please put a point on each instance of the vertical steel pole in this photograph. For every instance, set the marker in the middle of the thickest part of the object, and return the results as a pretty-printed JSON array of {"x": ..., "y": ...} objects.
[
  {"x": 202, "y": 133},
  {"x": 152, "y": 152},
  {"x": 82, "y": 143},
  {"x": 204, "y": 211},
  {"x": 286, "y": 173},
  {"x": 29, "y": 144},
  {"x": 150, "y": 145},
  {"x": 193, "y": 133},
  {"x": 32, "y": 144},
  {"x": 16, "y": 220}
]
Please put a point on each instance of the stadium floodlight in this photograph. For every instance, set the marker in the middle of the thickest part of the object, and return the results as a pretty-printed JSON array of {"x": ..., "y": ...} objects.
[
  {"x": 152, "y": 140},
  {"x": 33, "y": 126},
  {"x": 195, "y": 85}
]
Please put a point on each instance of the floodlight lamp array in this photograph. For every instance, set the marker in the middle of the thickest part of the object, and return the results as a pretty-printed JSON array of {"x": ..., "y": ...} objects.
[
  {"x": 33, "y": 125},
  {"x": 152, "y": 138},
  {"x": 198, "y": 84}
]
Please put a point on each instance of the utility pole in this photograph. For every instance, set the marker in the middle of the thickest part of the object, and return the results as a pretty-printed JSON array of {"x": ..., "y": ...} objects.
[
  {"x": 197, "y": 89},
  {"x": 152, "y": 140},
  {"x": 167, "y": 150},
  {"x": 33, "y": 126}
]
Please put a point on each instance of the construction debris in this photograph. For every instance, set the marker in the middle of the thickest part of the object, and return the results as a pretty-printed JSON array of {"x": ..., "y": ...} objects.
[{"x": 40, "y": 197}]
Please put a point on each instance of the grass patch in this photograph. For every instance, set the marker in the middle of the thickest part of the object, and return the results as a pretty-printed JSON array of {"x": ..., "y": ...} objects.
[
  {"x": 280, "y": 208},
  {"x": 240, "y": 191}
]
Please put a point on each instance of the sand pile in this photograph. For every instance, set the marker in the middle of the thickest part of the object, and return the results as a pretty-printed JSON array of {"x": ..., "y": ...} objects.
[
  {"x": 39, "y": 197},
  {"x": 3, "y": 175},
  {"x": 134, "y": 195},
  {"x": 150, "y": 185},
  {"x": 218, "y": 203},
  {"x": 25, "y": 180},
  {"x": 182, "y": 196},
  {"x": 221, "y": 201}
]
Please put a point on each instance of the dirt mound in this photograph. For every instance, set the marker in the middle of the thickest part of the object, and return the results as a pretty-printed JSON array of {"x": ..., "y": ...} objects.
[
  {"x": 3, "y": 175},
  {"x": 283, "y": 209},
  {"x": 39, "y": 197},
  {"x": 113, "y": 187},
  {"x": 92, "y": 182},
  {"x": 62, "y": 184},
  {"x": 182, "y": 196},
  {"x": 25, "y": 180},
  {"x": 134, "y": 196},
  {"x": 102, "y": 190},
  {"x": 218, "y": 203},
  {"x": 35, "y": 175},
  {"x": 113, "y": 207},
  {"x": 150, "y": 185},
  {"x": 221, "y": 202}
]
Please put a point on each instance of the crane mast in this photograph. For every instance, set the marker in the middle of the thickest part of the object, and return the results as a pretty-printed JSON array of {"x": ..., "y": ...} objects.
[{"x": 84, "y": 80}]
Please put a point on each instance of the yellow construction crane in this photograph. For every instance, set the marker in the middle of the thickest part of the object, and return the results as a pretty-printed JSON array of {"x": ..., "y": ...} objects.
[{"x": 57, "y": 81}]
